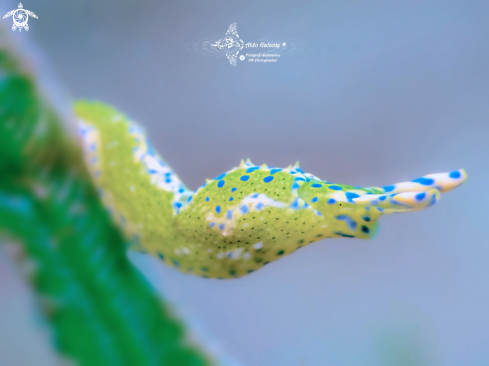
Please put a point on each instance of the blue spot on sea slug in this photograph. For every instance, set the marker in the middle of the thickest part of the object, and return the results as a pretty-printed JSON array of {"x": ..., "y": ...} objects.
[
  {"x": 335, "y": 188},
  {"x": 424, "y": 181},
  {"x": 455, "y": 174},
  {"x": 420, "y": 196},
  {"x": 295, "y": 205},
  {"x": 221, "y": 183},
  {"x": 348, "y": 220},
  {"x": 350, "y": 196},
  {"x": 388, "y": 188}
]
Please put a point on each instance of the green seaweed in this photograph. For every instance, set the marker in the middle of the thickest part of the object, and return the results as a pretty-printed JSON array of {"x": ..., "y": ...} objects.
[{"x": 99, "y": 307}]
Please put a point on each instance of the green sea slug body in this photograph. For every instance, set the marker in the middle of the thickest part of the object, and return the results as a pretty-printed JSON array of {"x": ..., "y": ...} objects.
[{"x": 239, "y": 221}]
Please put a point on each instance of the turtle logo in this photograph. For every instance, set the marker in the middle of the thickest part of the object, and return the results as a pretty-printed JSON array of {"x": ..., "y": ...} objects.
[
  {"x": 231, "y": 43},
  {"x": 20, "y": 17}
]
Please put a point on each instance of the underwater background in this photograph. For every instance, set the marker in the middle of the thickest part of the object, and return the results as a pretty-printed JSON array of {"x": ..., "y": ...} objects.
[{"x": 368, "y": 94}]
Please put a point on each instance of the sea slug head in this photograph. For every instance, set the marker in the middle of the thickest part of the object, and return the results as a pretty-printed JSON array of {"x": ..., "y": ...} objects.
[{"x": 343, "y": 217}]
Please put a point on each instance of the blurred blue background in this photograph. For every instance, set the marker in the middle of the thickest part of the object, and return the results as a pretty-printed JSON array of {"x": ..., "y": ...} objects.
[{"x": 371, "y": 93}]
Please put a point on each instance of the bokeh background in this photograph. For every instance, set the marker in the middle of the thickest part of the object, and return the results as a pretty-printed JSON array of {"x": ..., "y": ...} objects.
[{"x": 370, "y": 93}]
